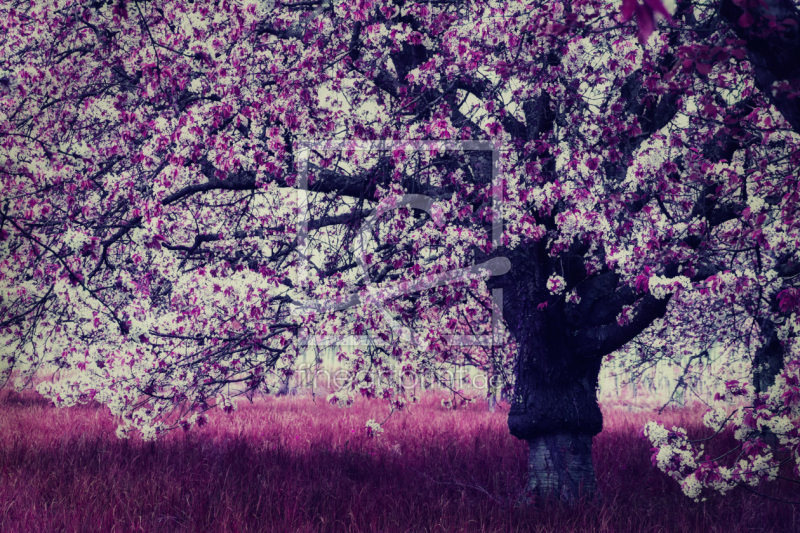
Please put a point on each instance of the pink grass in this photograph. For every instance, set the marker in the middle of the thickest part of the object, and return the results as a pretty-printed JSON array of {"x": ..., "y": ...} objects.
[{"x": 288, "y": 464}]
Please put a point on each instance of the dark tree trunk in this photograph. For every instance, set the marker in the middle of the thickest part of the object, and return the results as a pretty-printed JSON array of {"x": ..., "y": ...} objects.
[
  {"x": 560, "y": 348},
  {"x": 554, "y": 407},
  {"x": 554, "y": 392},
  {"x": 555, "y": 410},
  {"x": 560, "y": 466},
  {"x": 768, "y": 360},
  {"x": 767, "y": 364}
]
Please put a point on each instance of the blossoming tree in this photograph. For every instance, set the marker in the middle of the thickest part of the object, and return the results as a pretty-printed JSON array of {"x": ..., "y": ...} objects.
[{"x": 175, "y": 219}]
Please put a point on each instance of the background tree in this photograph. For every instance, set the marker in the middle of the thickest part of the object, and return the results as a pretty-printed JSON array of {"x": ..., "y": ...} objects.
[{"x": 155, "y": 250}]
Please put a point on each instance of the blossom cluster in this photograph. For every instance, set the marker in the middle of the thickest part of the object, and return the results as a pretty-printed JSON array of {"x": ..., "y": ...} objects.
[
  {"x": 373, "y": 428},
  {"x": 774, "y": 414}
]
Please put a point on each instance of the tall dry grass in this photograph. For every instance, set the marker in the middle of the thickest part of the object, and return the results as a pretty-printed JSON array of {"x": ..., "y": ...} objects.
[{"x": 290, "y": 464}]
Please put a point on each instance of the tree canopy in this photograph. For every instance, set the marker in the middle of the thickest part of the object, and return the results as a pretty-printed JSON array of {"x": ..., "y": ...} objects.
[{"x": 191, "y": 189}]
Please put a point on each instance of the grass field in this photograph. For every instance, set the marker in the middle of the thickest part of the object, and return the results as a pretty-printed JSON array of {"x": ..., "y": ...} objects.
[{"x": 290, "y": 464}]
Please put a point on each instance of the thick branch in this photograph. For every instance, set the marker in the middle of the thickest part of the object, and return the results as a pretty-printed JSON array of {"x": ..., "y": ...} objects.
[{"x": 602, "y": 340}]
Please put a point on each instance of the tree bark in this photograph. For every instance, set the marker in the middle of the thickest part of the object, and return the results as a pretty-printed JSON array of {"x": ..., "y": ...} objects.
[
  {"x": 554, "y": 407},
  {"x": 767, "y": 364},
  {"x": 560, "y": 348},
  {"x": 555, "y": 410},
  {"x": 768, "y": 360},
  {"x": 560, "y": 467},
  {"x": 554, "y": 393}
]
